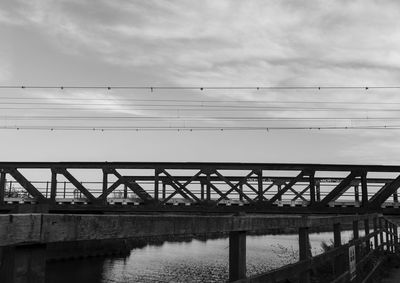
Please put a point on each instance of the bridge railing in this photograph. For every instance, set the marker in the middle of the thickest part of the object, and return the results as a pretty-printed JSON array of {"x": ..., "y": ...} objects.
[
  {"x": 355, "y": 261},
  {"x": 311, "y": 185}
]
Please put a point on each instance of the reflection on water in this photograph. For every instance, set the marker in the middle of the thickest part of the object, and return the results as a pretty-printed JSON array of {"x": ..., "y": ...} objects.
[{"x": 195, "y": 261}]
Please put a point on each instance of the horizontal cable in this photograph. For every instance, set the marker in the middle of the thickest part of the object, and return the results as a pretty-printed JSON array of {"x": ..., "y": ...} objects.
[
  {"x": 193, "y": 118},
  {"x": 190, "y": 106},
  {"x": 235, "y": 128},
  {"x": 208, "y": 109},
  {"x": 152, "y": 88},
  {"x": 191, "y": 101}
]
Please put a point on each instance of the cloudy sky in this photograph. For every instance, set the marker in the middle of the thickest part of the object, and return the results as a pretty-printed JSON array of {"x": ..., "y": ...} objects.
[{"x": 200, "y": 44}]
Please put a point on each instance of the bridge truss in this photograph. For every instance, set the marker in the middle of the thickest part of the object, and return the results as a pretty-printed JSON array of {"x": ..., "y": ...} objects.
[{"x": 144, "y": 186}]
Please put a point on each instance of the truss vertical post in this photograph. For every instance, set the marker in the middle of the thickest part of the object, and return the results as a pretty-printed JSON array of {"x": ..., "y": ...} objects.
[
  {"x": 53, "y": 186},
  {"x": 304, "y": 252},
  {"x": 279, "y": 188},
  {"x": 260, "y": 185},
  {"x": 105, "y": 184},
  {"x": 237, "y": 255},
  {"x": 2, "y": 186},
  {"x": 364, "y": 190},
  {"x": 208, "y": 192},
  {"x": 318, "y": 190},
  {"x": 395, "y": 197},
  {"x": 241, "y": 190},
  {"x": 164, "y": 190},
  {"x": 312, "y": 188},
  {"x": 156, "y": 183},
  {"x": 356, "y": 194},
  {"x": 125, "y": 191}
]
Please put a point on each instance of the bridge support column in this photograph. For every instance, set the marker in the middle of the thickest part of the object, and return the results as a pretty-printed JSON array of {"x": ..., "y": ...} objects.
[
  {"x": 366, "y": 229},
  {"x": 356, "y": 235},
  {"x": 237, "y": 255},
  {"x": 23, "y": 264},
  {"x": 304, "y": 252},
  {"x": 396, "y": 238},
  {"x": 337, "y": 242}
]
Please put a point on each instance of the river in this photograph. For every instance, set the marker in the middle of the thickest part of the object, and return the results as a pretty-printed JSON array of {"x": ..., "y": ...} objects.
[{"x": 194, "y": 261}]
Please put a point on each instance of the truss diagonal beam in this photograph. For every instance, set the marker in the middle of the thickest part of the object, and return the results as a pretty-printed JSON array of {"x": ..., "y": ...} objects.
[
  {"x": 287, "y": 187},
  {"x": 109, "y": 190},
  {"x": 179, "y": 188},
  {"x": 31, "y": 189},
  {"x": 340, "y": 189},
  {"x": 77, "y": 184},
  {"x": 133, "y": 186},
  {"x": 234, "y": 187},
  {"x": 300, "y": 195},
  {"x": 383, "y": 194}
]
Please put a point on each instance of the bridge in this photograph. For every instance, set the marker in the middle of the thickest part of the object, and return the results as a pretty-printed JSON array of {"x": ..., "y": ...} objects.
[
  {"x": 203, "y": 187},
  {"x": 57, "y": 202}
]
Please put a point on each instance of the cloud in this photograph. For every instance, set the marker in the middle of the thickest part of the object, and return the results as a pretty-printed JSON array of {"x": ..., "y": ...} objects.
[{"x": 230, "y": 41}]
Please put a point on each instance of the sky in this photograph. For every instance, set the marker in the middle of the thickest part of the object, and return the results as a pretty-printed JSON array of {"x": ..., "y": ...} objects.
[{"x": 199, "y": 44}]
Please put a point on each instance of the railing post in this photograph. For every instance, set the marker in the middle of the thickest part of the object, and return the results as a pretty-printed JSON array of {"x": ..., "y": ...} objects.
[
  {"x": 387, "y": 235},
  {"x": 375, "y": 224},
  {"x": 2, "y": 186},
  {"x": 381, "y": 232},
  {"x": 337, "y": 242},
  {"x": 391, "y": 237},
  {"x": 53, "y": 187},
  {"x": 366, "y": 229},
  {"x": 304, "y": 252},
  {"x": 237, "y": 255}
]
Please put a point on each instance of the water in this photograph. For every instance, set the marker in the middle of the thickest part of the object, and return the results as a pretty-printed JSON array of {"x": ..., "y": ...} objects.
[{"x": 195, "y": 261}]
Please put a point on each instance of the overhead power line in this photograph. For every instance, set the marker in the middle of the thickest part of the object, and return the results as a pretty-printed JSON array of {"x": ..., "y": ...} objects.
[
  {"x": 153, "y": 88},
  {"x": 161, "y": 128}
]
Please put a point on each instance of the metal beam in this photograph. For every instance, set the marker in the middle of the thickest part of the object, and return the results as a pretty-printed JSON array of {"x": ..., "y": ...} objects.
[
  {"x": 77, "y": 184},
  {"x": 31, "y": 189},
  {"x": 287, "y": 187},
  {"x": 383, "y": 194},
  {"x": 339, "y": 189}
]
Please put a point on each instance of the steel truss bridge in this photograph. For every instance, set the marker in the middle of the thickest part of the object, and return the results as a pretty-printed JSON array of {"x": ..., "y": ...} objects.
[{"x": 202, "y": 187}]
